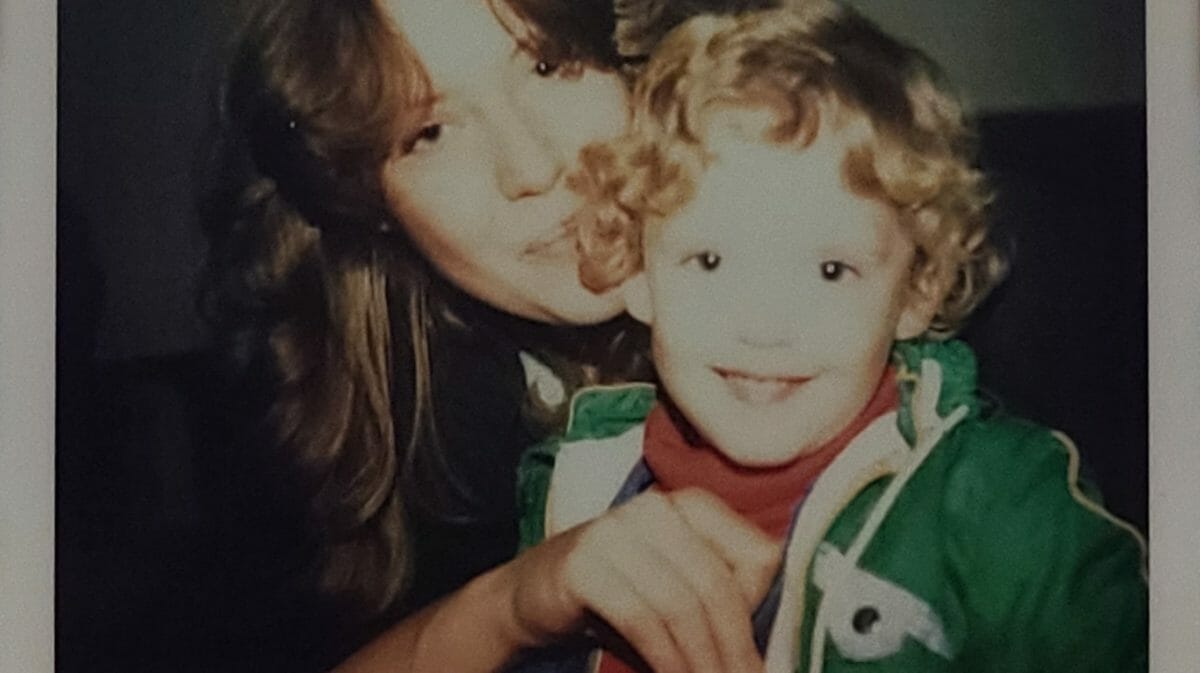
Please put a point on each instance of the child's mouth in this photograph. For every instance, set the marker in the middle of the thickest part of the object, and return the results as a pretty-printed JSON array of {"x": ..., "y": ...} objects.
[{"x": 754, "y": 388}]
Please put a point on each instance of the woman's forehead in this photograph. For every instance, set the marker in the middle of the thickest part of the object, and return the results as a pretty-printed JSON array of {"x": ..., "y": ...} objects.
[{"x": 456, "y": 40}]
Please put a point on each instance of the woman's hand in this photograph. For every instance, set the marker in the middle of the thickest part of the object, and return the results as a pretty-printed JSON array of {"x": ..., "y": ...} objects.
[{"x": 677, "y": 575}]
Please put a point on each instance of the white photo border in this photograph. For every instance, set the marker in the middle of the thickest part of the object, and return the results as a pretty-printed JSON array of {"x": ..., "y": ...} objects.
[
  {"x": 28, "y": 86},
  {"x": 27, "y": 225},
  {"x": 1173, "y": 159}
]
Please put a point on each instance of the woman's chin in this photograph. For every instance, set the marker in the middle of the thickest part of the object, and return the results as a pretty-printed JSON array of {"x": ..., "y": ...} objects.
[{"x": 572, "y": 304}]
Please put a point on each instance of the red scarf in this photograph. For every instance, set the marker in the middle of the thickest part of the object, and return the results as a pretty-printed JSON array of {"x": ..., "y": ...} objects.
[{"x": 764, "y": 496}]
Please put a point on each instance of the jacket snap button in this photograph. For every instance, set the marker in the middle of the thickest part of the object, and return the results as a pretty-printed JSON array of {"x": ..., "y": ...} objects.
[{"x": 864, "y": 619}]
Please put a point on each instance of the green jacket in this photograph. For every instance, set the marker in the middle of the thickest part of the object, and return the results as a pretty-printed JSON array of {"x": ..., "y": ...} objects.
[{"x": 942, "y": 538}]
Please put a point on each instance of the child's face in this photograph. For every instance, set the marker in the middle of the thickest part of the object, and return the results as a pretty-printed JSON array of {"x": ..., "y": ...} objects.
[{"x": 774, "y": 297}]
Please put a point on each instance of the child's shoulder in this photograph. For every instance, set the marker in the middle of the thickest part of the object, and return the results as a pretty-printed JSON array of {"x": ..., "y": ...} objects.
[
  {"x": 992, "y": 464},
  {"x": 1000, "y": 454},
  {"x": 938, "y": 381},
  {"x": 996, "y": 440},
  {"x": 1005, "y": 473}
]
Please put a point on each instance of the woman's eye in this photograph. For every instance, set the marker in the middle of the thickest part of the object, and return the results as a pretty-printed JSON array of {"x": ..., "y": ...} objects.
[
  {"x": 560, "y": 69},
  {"x": 707, "y": 260},
  {"x": 428, "y": 134},
  {"x": 834, "y": 271}
]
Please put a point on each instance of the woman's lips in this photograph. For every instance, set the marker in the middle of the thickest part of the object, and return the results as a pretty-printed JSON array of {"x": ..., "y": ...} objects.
[
  {"x": 556, "y": 243},
  {"x": 753, "y": 388}
]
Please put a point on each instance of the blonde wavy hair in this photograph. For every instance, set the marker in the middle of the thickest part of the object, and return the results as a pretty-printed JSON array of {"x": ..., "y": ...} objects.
[{"x": 811, "y": 66}]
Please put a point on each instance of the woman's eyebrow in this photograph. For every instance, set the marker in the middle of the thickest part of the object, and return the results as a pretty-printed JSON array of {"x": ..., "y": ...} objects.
[
  {"x": 533, "y": 48},
  {"x": 523, "y": 46},
  {"x": 429, "y": 100},
  {"x": 517, "y": 27}
]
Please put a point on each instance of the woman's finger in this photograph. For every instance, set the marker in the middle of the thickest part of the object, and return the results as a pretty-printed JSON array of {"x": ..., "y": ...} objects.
[
  {"x": 677, "y": 576},
  {"x": 659, "y": 582},
  {"x": 710, "y": 580},
  {"x": 752, "y": 555},
  {"x": 611, "y": 596}
]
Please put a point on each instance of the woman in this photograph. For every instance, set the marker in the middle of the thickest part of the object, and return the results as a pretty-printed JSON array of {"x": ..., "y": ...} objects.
[{"x": 387, "y": 254}]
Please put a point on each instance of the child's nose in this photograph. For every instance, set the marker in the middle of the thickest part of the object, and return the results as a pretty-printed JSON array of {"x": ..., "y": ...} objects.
[
  {"x": 764, "y": 339},
  {"x": 765, "y": 322},
  {"x": 768, "y": 333}
]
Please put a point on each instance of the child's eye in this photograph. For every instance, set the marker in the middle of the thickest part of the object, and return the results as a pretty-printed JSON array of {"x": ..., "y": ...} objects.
[
  {"x": 834, "y": 271},
  {"x": 707, "y": 260},
  {"x": 426, "y": 135}
]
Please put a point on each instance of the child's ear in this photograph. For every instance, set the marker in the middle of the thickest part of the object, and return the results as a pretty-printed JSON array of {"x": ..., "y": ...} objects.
[
  {"x": 637, "y": 297},
  {"x": 924, "y": 299}
]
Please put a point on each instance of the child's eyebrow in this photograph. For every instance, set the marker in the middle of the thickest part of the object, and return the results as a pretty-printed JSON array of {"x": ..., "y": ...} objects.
[
  {"x": 872, "y": 246},
  {"x": 873, "y": 256}
]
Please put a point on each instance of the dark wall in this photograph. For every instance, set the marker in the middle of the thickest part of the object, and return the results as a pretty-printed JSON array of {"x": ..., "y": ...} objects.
[
  {"x": 1064, "y": 340},
  {"x": 135, "y": 96}
]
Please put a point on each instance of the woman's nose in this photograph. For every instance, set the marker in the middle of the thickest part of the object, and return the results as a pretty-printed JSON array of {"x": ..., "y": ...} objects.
[{"x": 528, "y": 163}]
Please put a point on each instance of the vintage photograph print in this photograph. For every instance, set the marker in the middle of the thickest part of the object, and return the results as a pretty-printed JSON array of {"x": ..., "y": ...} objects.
[{"x": 613, "y": 335}]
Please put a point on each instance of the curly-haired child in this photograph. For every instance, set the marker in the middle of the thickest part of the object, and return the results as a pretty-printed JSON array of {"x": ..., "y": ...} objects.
[{"x": 795, "y": 213}]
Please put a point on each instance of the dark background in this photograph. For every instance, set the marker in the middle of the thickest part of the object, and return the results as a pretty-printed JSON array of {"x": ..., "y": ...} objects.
[{"x": 1063, "y": 341}]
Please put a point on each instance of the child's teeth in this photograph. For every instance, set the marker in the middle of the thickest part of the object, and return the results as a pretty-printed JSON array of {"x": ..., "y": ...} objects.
[{"x": 758, "y": 391}]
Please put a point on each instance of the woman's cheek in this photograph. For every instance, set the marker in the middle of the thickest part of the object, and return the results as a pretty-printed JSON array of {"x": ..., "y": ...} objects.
[
  {"x": 593, "y": 108},
  {"x": 442, "y": 200}
]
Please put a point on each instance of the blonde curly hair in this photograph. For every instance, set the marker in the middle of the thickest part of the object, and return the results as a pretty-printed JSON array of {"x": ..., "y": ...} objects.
[{"x": 813, "y": 65}]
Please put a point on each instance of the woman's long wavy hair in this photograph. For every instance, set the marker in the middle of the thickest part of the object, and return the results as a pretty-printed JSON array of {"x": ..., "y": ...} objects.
[{"x": 311, "y": 285}]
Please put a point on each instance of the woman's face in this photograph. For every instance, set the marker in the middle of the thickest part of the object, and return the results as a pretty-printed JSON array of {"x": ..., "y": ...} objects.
[{"x": 482, "y": 192}]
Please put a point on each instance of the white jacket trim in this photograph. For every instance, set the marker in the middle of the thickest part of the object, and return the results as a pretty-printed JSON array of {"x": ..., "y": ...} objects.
[
  {"x": 587, "y": 475},
  {"x": 930, "y": 428}
]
